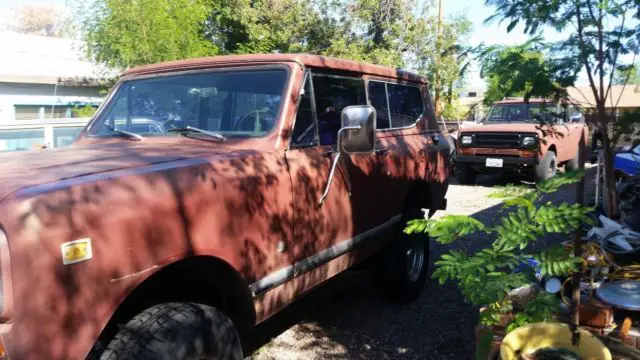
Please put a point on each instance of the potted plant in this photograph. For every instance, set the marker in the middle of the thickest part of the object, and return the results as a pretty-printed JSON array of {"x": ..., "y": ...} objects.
[{"x": 495, "y": 277}]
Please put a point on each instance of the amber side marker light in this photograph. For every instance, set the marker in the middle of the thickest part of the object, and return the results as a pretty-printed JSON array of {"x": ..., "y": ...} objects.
[{"x": 3, "y": 352}]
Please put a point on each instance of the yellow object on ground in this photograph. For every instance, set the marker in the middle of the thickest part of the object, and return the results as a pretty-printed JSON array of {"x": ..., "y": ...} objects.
[{"x": 529, "y": 338}]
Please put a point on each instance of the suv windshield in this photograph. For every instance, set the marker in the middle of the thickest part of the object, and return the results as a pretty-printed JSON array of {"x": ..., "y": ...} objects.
[
  {"x": 242, "y": 103},
  {"x": 523, "y": 113}
]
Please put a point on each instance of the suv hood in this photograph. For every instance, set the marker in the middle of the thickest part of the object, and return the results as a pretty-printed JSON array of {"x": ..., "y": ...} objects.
[
  {"x": 23, "y": 169},
  {"x": 508, "y": 127}
]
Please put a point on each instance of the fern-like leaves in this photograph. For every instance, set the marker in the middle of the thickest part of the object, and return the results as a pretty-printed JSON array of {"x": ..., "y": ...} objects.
[
  {"x": 563, "y": 218},
  {"x": 555, "y": 183},
  {"x": 557, "y": 261},
  {"x": 447, "y": 229}
]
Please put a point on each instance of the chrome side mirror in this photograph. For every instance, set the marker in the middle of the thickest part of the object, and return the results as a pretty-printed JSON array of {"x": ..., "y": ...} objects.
[
  {"x": 357, "y": 135},
  {"x": 358, "y": 132}
]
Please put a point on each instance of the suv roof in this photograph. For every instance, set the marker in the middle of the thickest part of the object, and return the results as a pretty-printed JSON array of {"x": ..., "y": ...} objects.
[{"x": 307, "y": 60}]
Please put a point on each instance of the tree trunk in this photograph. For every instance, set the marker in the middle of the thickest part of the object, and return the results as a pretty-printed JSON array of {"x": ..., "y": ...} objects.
[
  {"x": 577, "y": 241},
  {"x": 436, "y": 98},
  {"x": 609, "y": 191}
]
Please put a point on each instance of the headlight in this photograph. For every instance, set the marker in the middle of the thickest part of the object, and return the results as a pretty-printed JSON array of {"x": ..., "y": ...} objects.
[
  {"x": 466, "y": 140},
  {"x": 528, "y": 141}
]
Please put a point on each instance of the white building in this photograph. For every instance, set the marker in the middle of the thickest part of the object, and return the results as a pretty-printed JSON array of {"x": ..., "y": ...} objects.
[{"x": 44, "y": 77}]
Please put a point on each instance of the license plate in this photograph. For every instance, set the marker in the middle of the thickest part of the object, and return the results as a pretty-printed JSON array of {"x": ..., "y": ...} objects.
[{"x": 494, "y": 163}]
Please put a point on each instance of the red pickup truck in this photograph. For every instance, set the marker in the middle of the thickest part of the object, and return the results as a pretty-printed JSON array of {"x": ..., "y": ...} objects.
[{"x": 207, "y": 194}]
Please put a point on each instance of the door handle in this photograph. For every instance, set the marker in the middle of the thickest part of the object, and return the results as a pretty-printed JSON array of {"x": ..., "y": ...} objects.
[{"x": 381, "y": 151}]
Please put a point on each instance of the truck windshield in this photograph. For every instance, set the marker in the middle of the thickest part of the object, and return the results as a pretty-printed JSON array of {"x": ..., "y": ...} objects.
[
  {"x": 242, "y": 103},
  {"x": 522, "y": 113}
]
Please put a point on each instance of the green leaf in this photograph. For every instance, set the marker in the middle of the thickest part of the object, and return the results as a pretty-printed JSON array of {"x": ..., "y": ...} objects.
[
  {"x": 446, "y": 229},
  {"x": 555, "y": 183}
]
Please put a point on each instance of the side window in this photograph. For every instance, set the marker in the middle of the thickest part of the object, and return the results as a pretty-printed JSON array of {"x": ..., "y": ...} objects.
[
  {"x": 332, "y": 94},
  {"x": 405, "y": 103},
  {"x": 305, "y": 132},
  {"x": 559, "y": 113},
  {"x": 378, "y": 99},
  {"x": 574, "y": 114}
]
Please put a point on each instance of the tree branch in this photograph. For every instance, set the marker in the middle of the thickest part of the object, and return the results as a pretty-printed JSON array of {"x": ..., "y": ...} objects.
[
  {"x": 583, "y": 55},
  {"x": 633, "y": 61},
  {"x": 601, "y": 53},
  {"x": 615, "y": 59}
]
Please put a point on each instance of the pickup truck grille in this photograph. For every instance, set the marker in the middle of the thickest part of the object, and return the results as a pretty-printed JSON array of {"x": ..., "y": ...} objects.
[{"x": 505, "y": 140}]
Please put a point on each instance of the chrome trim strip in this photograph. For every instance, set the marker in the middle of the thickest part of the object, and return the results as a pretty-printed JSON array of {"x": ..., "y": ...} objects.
[{"x": 281, "y": 276}]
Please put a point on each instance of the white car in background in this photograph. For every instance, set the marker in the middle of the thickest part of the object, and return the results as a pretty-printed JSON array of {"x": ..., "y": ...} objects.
[
  {"x": 36, "y": 134},
  {"x": 54, "y": 133}
]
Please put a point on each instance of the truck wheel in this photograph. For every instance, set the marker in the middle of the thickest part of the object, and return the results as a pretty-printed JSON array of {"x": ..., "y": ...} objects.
[
  {"x": 466, "y": 174},
  {"x": 573, "y": 164},
  {"x": 547, "y": 168},
  {"x": 176, "y": 331},
  {"x": 401, "y": 271}
]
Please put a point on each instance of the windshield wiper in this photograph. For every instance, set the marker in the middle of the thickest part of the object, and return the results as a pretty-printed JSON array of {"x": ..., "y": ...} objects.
[
  {"x": 128, "y": 135},
  {"x": 191, "y": 129}
]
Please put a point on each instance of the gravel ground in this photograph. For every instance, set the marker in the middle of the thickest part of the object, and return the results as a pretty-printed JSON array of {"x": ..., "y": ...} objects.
[{"x": 345, "y": 319}]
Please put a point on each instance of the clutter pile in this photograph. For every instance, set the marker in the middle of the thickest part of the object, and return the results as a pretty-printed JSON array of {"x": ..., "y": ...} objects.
[{"x": 609, "y": 310}]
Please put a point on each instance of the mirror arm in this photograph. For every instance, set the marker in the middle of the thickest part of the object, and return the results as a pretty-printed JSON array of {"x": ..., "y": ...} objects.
[
  {"x": 335, "y": 164},
  {"x": 336, "y": 157}
]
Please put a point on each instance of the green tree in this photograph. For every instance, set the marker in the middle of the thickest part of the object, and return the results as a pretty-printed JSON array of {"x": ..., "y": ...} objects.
[
  {"x": 486, "y": 277},
  {"x": 525, "y": 70},
  {"x": 597, "y": 33},
  {"x": 398, "y": 33},
  {"x": 267, "y": 26},
  {"x": 455, "y": 110},
  {"x": 85, "y": 111},
  {"x": 124, "y": 33},
  {"x": 627, "y": 75}
]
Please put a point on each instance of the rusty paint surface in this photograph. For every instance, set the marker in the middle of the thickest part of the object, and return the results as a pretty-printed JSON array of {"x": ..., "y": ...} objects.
[{"x": 148, "y": 204}]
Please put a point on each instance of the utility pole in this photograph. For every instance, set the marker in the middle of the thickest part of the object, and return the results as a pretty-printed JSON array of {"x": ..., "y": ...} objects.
[{"x": 436, "y": 84}]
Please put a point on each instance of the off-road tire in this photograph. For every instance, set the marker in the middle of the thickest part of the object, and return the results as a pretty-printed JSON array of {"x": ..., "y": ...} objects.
[
  {"x": 574, "y": 163},
  {"x": 466, "y": 174},
  {"x": 547, "y": 167},
  {"x": 176, "y": 331},
  {"x": 393, "y": 276}
]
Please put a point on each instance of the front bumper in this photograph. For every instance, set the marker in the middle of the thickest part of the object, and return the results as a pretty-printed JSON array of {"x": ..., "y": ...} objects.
[{"x": 506, "y": 160}]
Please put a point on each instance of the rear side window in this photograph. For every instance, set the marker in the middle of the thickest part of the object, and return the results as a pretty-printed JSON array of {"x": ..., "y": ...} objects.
[{"x": 405, "y": 104}]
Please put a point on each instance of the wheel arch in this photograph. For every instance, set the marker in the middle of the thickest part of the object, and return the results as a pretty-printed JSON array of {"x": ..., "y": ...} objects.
[
  {"x": 206, "y": 280},
  {"x": 425, "y": 195}
]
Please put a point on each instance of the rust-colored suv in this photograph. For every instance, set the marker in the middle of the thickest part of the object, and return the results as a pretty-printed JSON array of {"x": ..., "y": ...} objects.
[
  {"x": 206, "y": 195},
  {"x": 532, "y": 138}
]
